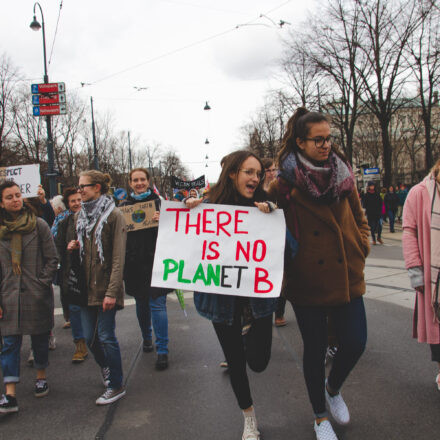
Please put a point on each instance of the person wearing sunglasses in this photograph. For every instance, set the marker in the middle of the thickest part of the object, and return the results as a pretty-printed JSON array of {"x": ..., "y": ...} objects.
[{"x": 316, "y": 189}]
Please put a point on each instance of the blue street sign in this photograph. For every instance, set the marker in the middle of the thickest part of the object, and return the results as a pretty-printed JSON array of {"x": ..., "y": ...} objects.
[{"x": 370, "y": 171}]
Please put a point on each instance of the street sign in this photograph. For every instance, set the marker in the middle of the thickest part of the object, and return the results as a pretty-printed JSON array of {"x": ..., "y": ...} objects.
[
  {"x": 371, "y": 171},
  {"x": 46, "y": 110},
  {"x": 48, "y": 88},
  {"x": 53, "y": 98}
]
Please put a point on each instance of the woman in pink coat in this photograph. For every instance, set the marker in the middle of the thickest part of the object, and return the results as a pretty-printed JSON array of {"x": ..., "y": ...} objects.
[{"x": 421, "y": 251}]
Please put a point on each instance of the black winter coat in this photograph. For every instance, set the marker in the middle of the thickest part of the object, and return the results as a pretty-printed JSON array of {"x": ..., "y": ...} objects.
[
  {"x": 391, "y": 202},
  {"x": 139, "y": 257},
  {"x": 373, "y": 206}
]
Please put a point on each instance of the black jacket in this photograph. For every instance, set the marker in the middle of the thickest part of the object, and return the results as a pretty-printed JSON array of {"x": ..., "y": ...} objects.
[
  {"x": 391, "y": 202},
  {"x": 373, "y": 206},
  {"x": 139, "y": 257}
]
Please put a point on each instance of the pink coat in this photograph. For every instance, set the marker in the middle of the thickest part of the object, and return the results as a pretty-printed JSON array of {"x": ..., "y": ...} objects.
[{"x": 417, "y": 252}]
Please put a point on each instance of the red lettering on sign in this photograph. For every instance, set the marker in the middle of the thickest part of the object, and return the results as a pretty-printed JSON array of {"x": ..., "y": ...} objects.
[
  {"x": 207, "y": 222},
  {"x": 263, "y": 250},
  {"x": 215, "y": 253},
  {"x": 262, "y": 279},
  {"x": 220, "y": 224},
  {"x": 237, "y": 221},
  {"x": 177, "y": 210},
  {"x": 246, "y": 252},
  {"x": 195, "y": 225}
]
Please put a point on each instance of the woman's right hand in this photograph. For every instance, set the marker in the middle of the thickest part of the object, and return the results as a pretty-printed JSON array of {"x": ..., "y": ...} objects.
[
  {"x": 73, "y": 245},
  {"x": 192, "y": 202}
]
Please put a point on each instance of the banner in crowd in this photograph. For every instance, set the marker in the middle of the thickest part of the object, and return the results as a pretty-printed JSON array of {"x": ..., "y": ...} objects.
[
  {"x": 27, "y": 177},
  {"x": 184, "y": 184},
  {"x": 229, "y": 250},
  {"x": 139, "y": 215}
]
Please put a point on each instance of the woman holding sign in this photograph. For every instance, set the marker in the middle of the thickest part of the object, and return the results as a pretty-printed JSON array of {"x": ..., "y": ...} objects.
[
  {"x": 317, "y": 192},
  {"x": 243, "y": 325},
  {"x": 151, "y": 306}
]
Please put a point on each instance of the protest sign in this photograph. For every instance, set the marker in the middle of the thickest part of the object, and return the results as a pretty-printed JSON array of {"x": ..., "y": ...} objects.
[
  {"x": 188, "y": 184},
  {"x": 27, "y": 177},
  {"x": 139, "y": 215},
  {"x": 229, "y": 250}
]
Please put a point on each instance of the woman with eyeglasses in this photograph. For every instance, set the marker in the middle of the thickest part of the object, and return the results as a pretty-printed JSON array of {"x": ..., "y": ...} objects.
[
  {"x": 243, "y": 325},
  {"x": 316, "y": 189}
]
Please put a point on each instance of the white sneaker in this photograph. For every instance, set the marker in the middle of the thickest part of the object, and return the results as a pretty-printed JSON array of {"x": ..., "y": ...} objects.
[
  {"x": 337, "y": 407},
  {"x": 324, "y": 431},
  {"x": 250, "y": 431},
  {"x": 110, "y": 396}
]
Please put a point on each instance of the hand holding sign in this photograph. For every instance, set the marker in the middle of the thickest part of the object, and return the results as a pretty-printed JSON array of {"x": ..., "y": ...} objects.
[{"x": 231, "y": 250}]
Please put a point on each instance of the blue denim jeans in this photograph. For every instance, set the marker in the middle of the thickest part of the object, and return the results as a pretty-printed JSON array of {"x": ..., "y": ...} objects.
[
  {"x": 75, "y": 322},
  {"x": 149, "y": 310},
  {"x": 351, "y": 332},
  {"x": 99, "y": 332},
  {"x": 10, "y": 355}
]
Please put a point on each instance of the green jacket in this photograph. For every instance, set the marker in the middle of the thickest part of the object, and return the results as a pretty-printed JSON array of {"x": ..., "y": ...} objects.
[{"x": 106, "y": 279}]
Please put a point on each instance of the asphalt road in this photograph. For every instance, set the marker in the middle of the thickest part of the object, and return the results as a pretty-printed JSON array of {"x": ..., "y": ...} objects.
[{"x": 391, "y": 393}]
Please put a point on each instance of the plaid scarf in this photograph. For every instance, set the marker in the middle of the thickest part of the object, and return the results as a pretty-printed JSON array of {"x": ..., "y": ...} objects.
[
  {"x": 94, "y": 212},
  {"x": 328, "y": 183},
  {"x": 14, "y": 230},
  {"x": 433, "y": 190}
]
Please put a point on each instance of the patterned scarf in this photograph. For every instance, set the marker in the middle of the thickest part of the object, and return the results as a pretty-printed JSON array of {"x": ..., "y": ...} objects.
[
  {"x": 14, "y": 230},
  {"x": 328, "y": 183},
  {"x": 433, "y": 190},
  {"x": 58, "y": 219},
  {"x": 92, "y": 213}
]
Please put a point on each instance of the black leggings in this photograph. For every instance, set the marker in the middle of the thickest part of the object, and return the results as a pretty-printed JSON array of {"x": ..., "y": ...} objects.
[
  {"x": 351, "y": 333},
  {"x": 253, "y": 349},
  {"x": 435, "y": 352}
]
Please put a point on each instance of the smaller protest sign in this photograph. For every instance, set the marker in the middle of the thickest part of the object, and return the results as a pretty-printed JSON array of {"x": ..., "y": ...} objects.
[
  {"x": 188, "y": 184},
  {"x": 27, "y": 177},
  {"x": 139, "y": 215}
]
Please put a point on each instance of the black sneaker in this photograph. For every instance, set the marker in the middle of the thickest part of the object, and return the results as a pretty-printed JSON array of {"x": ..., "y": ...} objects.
[
  {"x": 41, "y": 388},
  {"x": 8, "y": 404},
  {"x": 162, "y": 362},
  {"x": 147, "y": 346}
]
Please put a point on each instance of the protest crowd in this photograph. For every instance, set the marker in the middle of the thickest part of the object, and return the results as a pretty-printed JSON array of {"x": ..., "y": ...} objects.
[{"x": 82, "y": 243}]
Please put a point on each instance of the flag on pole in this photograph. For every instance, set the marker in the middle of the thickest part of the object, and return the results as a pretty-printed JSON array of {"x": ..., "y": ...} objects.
[
  {"x": 207, "y": 185},
  {"x": 156, "y": 190}
]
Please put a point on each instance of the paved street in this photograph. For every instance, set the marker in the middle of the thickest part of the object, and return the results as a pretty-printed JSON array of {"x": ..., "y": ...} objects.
[{"x": 391, "y": 394}]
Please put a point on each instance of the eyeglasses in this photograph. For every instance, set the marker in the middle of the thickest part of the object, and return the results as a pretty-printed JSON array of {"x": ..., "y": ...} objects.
[
  {"x": 81, "y": 187},
  {"x": 320, "y": 141},
  {"x": 252, "y": 173}
]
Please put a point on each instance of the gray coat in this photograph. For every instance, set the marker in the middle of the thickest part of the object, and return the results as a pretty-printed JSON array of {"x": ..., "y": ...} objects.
[{"x": 27, "y": 299}]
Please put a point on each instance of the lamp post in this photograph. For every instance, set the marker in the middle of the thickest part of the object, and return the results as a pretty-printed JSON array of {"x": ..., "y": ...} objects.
[
  {"x": 95, "y": 151},
  {"x": 36, "y": 26}
]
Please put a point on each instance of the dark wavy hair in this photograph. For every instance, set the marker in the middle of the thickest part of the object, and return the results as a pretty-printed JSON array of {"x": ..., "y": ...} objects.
[
  {"x": 225, "y": 191},
  {"x": 298, "y": 127},
  {"x": 67, "y": 193}
]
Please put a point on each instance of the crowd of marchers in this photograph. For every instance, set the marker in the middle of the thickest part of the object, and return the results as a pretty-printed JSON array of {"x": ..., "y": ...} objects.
[{"x": 84, "y": 247}]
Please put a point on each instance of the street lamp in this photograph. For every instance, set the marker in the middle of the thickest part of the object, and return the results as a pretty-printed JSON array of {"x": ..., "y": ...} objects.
[{"x": 36, "y": 26}]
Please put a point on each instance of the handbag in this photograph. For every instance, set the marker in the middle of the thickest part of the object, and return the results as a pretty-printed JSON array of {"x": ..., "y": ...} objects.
[{"x": 76, "y": 281}]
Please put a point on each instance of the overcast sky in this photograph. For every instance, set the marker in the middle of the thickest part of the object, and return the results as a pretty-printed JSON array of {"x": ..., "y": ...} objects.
[{"x": 117, "y": 46}]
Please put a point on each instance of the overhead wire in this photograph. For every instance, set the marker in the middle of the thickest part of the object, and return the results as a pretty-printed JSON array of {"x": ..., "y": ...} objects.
[
  {"x": 56, "y": 31},
  {"x": 188, "y": 46}
]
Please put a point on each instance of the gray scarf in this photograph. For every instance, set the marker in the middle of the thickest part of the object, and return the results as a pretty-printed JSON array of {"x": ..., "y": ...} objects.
[{"x": 92, "y": 213}]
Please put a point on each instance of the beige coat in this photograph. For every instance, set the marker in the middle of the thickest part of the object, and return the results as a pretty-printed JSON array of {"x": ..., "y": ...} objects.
[
  {"x": 106, "y": 279},
  {"x": 333, "y": 244},
  {"x": 27, "y": 299}
]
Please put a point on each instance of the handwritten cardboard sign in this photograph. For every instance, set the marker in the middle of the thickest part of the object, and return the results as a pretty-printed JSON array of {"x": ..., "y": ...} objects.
[
  {"x": 139, "y": 215},
  {"x": 27, "y": 177},
  {"x": 229, "y": 250}
]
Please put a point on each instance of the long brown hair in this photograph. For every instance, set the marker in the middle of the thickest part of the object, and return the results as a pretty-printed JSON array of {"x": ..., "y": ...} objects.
[
  {"x": 298, "y": 126},
  {"x": 225, "y": 190}
]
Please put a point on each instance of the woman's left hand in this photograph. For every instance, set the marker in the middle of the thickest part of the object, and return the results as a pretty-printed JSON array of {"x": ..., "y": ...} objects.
[
  {"x": 41, "y": 194},
  {"x": 262, "y": 206},
  {"x": 156, "y": 216},
  {"x": 108, "y": 303}
]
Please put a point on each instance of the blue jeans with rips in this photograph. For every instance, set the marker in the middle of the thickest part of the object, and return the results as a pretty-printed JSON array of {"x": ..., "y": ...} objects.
[
  {"x": 10, "y": 355},
  {"x": 154, "y": 311},
  {"x": 99, "y": 332}
]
